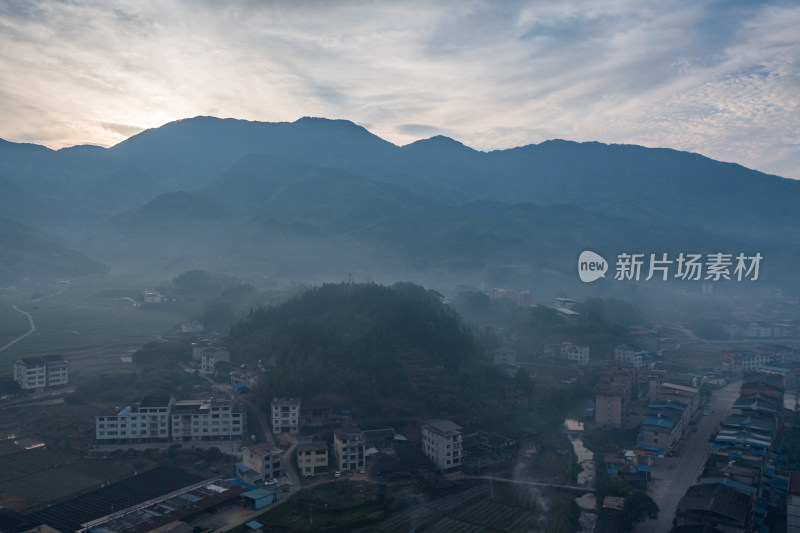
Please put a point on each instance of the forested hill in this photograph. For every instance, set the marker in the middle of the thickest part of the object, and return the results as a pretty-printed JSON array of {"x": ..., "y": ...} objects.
[{"x": 394, "y": 351}]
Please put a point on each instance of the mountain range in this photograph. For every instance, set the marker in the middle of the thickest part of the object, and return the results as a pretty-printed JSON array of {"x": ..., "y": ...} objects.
[{"x": 317, "y": 198}]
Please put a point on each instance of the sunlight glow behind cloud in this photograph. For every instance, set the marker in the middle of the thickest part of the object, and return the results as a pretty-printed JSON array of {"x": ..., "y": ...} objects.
[{"x": 718, "y": 78}]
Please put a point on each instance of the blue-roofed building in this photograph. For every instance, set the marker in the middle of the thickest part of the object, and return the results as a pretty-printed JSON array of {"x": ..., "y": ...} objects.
[
  {"x": 655, "y": 451},
  {"x": 259, "y": 498},
  {"x": 756, "y": 427},
  {"x": 659, "y": 432}
]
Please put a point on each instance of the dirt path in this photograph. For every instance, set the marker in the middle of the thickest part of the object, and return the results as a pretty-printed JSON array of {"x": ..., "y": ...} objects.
[{"x": 30, "y": 322}]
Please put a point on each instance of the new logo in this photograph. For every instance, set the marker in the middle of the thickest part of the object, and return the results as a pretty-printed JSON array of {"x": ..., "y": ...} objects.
[{"x": 591, "y": 266}]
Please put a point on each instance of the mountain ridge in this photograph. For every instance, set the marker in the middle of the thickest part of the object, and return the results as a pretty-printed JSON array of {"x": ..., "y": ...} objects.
[{"x": 331, "y": 185}]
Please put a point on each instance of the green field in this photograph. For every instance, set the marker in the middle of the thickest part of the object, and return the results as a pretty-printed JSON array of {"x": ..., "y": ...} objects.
[
  {"x": 12, "y": 324},
  {"x": 91, "y": 338}
]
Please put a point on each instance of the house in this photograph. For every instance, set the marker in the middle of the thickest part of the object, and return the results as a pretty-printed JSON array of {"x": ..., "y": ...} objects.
[
  {"x": 147, "y": 421},
  {"x": 665, "y": 392},
  {"x": 613, "y": 395},
  {"x": 39, "y": 373},
  {"x": 793, "y": 504},
  {"x": 312, "y": 457},
  {"x": 520, "y": 298},
  {"x": 380, "y": 439},
  {"x": 349, "y": 448},
  {"x": 211, "y": 419},
  {"x": 152, "y": 297},
  {"x": 564, "y": 303},
  {"x": 246, "y": 376},
  {"x": 264, "y": 459},
  {"x": 505, "y": 356},
  {"x": 629, "y": 356},
  {"x": 442, "y": 444},
  {"x": 578, "y": 354},
  {"x": 211, "y": 356},
  {"x": 716, "y": 505},
  {"x": 660, "y": 432},
  {"x": 192, "y": 327},
  {"x": 285, "y": 415}
]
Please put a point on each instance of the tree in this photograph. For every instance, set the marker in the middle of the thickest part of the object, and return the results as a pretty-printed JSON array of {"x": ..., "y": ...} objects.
[{"x": 640, "y": 506}]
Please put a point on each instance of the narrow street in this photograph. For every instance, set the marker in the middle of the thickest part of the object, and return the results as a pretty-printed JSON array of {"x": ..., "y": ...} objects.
[{"x": 671, "y": 476}]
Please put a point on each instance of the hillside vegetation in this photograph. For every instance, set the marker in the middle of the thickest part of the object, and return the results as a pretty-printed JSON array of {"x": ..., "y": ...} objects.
[{"x": 394, "y": 351}]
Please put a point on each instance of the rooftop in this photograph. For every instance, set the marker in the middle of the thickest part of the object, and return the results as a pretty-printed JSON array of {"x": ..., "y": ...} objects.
[
  {"x": 443, "y": 427},
  {"x": 264, "y": 449}
]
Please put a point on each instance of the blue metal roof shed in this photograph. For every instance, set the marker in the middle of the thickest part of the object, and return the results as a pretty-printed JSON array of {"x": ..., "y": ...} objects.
[{"x": 260, "y": 497}]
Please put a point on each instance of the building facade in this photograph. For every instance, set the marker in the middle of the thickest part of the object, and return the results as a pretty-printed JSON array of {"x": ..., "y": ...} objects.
[
  {"x": 349, "y": 446},
  {"x": 163, "y": 419},
  {"x": 264, "y": 458},
  {"x": 442, "y": 444},
  {"x": 212, "y": 419},
  {"x": 312, "y": 457},
  {"x": 285, "y": 415},
  {"x": 613, "y": 395},
  {"x": 145, "y": 422},
  {"x": 39, "y": 373},
  {"x": 579, "y": 354},
  {"x": 629, "y": 356}
]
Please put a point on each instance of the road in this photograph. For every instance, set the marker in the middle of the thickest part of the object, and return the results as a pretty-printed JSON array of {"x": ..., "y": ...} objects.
[
  {"x": 31, "y": 323},
  {"x": 672, "y": 476}
]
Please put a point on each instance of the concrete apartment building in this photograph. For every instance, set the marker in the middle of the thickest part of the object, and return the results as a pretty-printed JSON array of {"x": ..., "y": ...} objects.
[
  {"x": 442, "y": 444},
  {"x": 144, "y": 422},
  {"x": 39, "y": 373},
  {"x": 629, "y": 356},
  {"x": 349, "y": 445},
  {"x": 158, "y": 419},
  {"x": 312, "y": 457},
  {"x": 578, "y": 354},
  {"x": 285, "y": 415},
  {"x": 613, "y": 395},
  {"x": 211, "y": 419}
]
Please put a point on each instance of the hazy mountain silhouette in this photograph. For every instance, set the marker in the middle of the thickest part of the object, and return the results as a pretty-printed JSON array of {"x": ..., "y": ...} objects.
[
  {"x": 327, "y": 195},
  {"x": 28, "y": 255}
]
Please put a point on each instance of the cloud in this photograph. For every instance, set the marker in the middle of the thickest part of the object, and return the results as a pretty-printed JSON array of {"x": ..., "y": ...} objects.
[{"x": 719, "y": 78}]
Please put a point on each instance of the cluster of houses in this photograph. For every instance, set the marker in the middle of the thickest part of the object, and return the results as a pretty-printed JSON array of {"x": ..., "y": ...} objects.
[
  {"x": 759, "y": 330},
  {"x": 210, "y": 357},
  {"x": 443, "y": 448},
  {"x": 746, "y": 471}
]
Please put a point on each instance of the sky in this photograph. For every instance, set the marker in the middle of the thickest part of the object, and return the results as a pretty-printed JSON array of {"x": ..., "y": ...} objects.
[{"x": 718, "y": 78}]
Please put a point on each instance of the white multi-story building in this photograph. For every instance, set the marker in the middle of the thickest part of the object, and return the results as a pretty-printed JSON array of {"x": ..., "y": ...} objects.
[
  {"x": 145, "y": 422},
  {"x": 285, "y": 415},
  {"x": 38, "y": 373},
  {"x": 212, "y": 419},
  {"x": 349, "y": 446},
  {"x": 162, "y": 419},
  {"x": 442, "y": 444},
  {"x": 629, "y": 356},
  {"x": 573, "y": 352},
  {"x": 211, "y": 356},
  {"x": 753, "y": 360}
]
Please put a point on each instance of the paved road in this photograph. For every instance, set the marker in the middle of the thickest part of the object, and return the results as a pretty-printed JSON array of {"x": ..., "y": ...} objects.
[
  {"x": 31, "y": 323},
  {"x": 673, "y": 475}
]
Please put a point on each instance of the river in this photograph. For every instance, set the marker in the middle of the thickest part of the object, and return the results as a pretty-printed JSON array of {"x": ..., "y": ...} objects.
[{"x": 586, "y": 475}]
